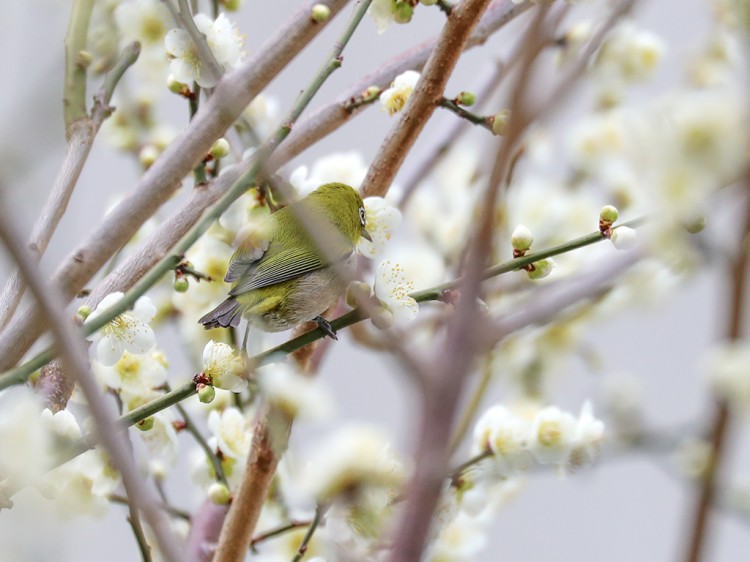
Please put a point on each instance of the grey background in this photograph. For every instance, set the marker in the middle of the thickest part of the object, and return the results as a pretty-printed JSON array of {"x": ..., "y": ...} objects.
[{"x": 629, "y": 508}]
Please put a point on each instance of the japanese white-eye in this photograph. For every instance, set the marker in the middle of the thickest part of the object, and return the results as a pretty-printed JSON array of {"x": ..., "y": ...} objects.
[{"x": 282, "y": 275}]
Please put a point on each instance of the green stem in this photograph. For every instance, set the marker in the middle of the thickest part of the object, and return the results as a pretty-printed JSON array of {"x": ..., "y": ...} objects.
[
  {"x": 74, "y": 91},
  {"x": 199, "y": 173},
  {"x": 19, "y": 374},
  {"x": 464, "y": 114},
  {"x": 319, "y": 511},
  {"x": 193, "y": 430},
  {"x": 276, "y": 531}
]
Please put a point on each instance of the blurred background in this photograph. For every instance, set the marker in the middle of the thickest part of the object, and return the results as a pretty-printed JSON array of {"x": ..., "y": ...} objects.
[{"x": 629, "y": 506}]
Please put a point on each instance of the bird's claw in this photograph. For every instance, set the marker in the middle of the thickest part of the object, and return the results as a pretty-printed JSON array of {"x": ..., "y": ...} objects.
[{"x": 325, "y": 325}]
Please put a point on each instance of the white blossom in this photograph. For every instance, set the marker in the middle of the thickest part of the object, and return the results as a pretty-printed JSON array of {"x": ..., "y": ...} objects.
[
  {"x": 161, "y": 442},
  {"x": 293, "y": 393},
  {"x": 145, "y": 21},
  {"x": 344, "y": 167},
  {"x": 225, "y": 367},
  {"x": 623, "y": 238},
  {"x": 394, "y": 98},
  {"x": 588, "y": 436},
  {"x": 133, "y": 374},
  {"x": 352, "y": 456},
  {"x": 392, "y": 288},
  {"x": 381, "y": 220},
  {"x": 506, "y": 436},
  {"x": 230, "y": 433},
  {"x": 727, "y": 367},
  {"x": 129, "y": 331},
  {"x": 83, "y": 485},
  {"x": 461, "y": 540},
  {"x": 552, "y": 436},
  {"x": 223, "y": 39},
  {"x": 381, "y": 11}
]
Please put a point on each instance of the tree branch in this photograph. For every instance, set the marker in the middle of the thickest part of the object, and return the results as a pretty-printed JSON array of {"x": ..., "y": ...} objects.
[
  {"x": 74, "y": 94},
  {"x": 74, "y": 357}
]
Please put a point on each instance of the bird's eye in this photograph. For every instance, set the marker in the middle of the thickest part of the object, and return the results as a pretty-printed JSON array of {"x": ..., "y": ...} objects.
[{"x": 362, "y": 215}]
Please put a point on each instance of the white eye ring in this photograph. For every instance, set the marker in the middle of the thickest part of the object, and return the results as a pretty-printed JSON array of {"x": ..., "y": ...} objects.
[{"x": 362, "y": 215}]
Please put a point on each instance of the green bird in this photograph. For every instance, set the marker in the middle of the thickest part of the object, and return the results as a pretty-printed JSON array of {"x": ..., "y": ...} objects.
[{"x": 282, "y": 275}]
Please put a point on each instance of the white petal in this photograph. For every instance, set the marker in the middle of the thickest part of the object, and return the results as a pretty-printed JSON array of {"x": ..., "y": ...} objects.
[
  {"x": 177, "y": 43},
  {"x": 109, "y": 350},
  {"x": 142, "y": 339},
  {"x": 182, "y": 70}
]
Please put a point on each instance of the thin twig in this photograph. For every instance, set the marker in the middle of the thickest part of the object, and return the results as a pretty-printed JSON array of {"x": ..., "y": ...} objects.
[
  {"x": 75, "y": 360},
  {"x": 473, "y": 118},
  {"x": 81, "y": 134},
  {"x": 302, "y": 550},
  {"x": 276, "y": 531},
  {"x": 735, "y": 331},
  {"x": 195, "y": 432},
  {"x": 135, "y": 524}
]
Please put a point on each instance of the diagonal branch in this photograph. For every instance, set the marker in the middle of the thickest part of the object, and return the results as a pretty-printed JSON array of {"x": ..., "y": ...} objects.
[
  {"x": 81, "y": 135},
  {"x": 74, "y": 355}
]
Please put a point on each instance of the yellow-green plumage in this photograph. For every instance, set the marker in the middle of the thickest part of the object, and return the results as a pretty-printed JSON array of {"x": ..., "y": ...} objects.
[{"x": 285, "y": 276}]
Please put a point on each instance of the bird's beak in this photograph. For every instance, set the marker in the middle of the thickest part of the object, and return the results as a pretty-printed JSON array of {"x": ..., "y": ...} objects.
[{"x": 366, "y": 235}]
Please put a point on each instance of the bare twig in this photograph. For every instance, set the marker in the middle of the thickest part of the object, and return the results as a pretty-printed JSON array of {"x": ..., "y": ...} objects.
[
  {"x": 230, "y": 98},
  {"x": 81, "y": 135},
  {"x": 75, "y": 361},
  {"x": 719, "y": 428}
]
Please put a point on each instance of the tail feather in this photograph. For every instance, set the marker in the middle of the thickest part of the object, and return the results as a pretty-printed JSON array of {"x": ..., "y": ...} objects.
[{"x": 225, "y": 315}]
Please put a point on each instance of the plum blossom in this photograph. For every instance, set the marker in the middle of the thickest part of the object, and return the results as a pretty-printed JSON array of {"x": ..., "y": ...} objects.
[
  {"x": 381, "y": 220},
  {"x": 225, "y": 367},
  {"x": 394, "y": 98},
  {"x": 223, "y": 39},
  {"x": 392, "y": 288},
  {"x": 129, "y": 331}
]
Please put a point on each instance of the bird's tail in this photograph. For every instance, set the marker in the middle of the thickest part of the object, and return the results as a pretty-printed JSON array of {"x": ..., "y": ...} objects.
[{"x": 225, "y": 315}]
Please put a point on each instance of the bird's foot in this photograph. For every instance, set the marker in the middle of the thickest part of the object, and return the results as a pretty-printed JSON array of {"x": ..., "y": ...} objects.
[{"x": 325, "y": 325}]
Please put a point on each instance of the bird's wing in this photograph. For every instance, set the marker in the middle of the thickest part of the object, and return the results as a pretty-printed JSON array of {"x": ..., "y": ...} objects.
[
  {"x": 243, "y": 260},
  {"x": 279, "y": 266}
]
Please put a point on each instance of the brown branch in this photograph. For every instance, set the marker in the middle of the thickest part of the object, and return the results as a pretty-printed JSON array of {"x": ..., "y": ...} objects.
[
  {"x": 230, "y": 98},
  {"x": 719, "y": 428},
  {"x": 81, "y": 134},
  {"x": 73, "y": 351},
  {"x": 269, "y": 442},
  {"x": 205, "y": 527},
  {"x": 423, "y": 101}
]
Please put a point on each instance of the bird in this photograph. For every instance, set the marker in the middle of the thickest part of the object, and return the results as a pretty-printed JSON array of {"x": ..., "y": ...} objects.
[{"x": 282, "y": 275}]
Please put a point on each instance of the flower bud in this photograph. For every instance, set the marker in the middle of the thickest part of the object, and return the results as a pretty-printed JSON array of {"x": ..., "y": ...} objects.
[
  {"x": 148, "y": 155},
  {"x": 371, "y": 92},
  {"x": 623, "y": 238},
  {"x": 177, "y": 87},
  {"x": 231, "y": 5},
  {"x": 146, "y": 425},
  {"x": 206, "y": 393},
  {"x": 356, "y": 293},
  {"x": 84, "y": 311},
  {"x": 500, "y": 122},
  {"x": 609, "y": 214},
  {"x": 696, "y": 224},
  {"x": 382, "y": 318},
  {"x": 83, "y": 59},
  {"x": 219, "y": 149},
  {"x": 219, "y": 493},
  {"x": 402, "y": 12},
  {"x": 466, "y": 98},
  {"x": 542, "y": 269},
  {"x": 521, "y": 238},
  {"x": 320, "y": 13},
  {"x": 428, "y": 2},
  {"x": 181, "y": 285}
]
